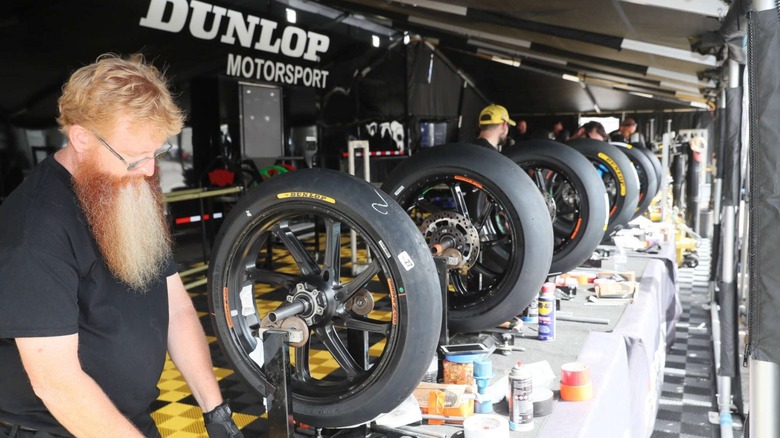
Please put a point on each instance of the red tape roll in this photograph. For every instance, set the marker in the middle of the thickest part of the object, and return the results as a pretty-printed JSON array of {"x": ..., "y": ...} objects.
[{"x": 575, "y": 373}]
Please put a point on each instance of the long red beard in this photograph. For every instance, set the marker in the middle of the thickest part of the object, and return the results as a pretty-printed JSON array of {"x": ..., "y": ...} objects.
[{"x": 127, "y": 218}]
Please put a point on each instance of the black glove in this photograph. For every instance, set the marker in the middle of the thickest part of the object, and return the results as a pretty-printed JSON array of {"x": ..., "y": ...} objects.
[{"x": 219, "y": 423}]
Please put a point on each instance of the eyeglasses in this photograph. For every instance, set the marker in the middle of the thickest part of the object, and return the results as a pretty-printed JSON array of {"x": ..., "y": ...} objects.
[{"x": 135, "y": 164}]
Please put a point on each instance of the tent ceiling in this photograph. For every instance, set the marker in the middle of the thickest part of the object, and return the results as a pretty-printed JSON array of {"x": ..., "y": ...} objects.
[
  {"x": 612, "y": 46},
  {"x": 642, "y": 47}
]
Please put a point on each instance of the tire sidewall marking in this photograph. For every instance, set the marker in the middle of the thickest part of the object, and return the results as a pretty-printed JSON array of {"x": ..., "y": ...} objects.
[
  {"x": 614, "y": 166},
  {"x": 306, "y": 195}
]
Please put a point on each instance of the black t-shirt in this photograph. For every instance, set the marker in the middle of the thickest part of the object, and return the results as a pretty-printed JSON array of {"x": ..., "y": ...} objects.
[
  {"x": 54, "y": 282},
  {"x": 481, "y": 141}
]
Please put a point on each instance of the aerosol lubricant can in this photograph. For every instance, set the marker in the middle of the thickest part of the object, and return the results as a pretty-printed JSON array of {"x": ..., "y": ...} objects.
[
  {"x": 521, "y": 406},
  {"x": 547, "y": 312}
]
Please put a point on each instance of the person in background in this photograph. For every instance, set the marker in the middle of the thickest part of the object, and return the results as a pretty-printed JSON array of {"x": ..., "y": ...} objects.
[
  {"x": 522, "y": 131},
  {"x": 90, "y": 300},
  {"x": 593, "y": 130},
  {"x": 559, "y": 133},
  {"x": 494, "y": 125},
  {"x": 627, "y": 133}
]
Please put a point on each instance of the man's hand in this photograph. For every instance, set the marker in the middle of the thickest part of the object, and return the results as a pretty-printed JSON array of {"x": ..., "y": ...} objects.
[{"x": 219, "y": 423}]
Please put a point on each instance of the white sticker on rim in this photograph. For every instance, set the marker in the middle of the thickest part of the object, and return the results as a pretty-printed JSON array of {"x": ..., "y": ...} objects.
[
  {"x": 384, "y": 249},
  {"x": 406, "y": 260}
]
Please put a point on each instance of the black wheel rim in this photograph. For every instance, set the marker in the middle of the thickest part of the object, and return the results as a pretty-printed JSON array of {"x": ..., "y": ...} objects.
[
  {"x": 500, "y": 240},
  {"x": 612, "y": 186},
  {"x": 567, "y": 212},
  {"x": 360, "y": 346}
]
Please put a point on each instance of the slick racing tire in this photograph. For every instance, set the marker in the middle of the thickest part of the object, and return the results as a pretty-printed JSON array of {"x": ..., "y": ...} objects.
[
  {"x": 280, "y": 261},
  {"x": 619, "y": 177},
  {"x": 575, "y": 195},
  {"x": 648, "y": 179},
  {"x": 656, "y": 165},
  {"x": 486, "y": 214}
]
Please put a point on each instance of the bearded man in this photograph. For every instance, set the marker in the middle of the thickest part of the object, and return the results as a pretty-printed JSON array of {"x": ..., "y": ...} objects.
[{"x": 90, "y": 300}]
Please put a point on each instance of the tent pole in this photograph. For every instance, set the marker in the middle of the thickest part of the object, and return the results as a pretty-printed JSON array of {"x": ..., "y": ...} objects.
[
  {"x": 724, "y": 382},
  {"x": 729, "y": 262},
  {"x": 667, "y": 143},
  {"x": 764, "y": 378}
]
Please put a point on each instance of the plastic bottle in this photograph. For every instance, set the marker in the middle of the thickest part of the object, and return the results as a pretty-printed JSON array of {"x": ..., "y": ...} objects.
[
  {"x": 521, "y": 406},
  {"x": 483, "y": 372},
  {"x": 547, "y": 312}
]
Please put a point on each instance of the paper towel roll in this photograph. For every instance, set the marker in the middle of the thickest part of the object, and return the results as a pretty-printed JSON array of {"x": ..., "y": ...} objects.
[{"x": 486, "y": 426}]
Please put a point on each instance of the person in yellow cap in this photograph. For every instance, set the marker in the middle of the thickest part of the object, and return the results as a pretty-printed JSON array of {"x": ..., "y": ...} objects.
[{"x": 494, "y": 124}]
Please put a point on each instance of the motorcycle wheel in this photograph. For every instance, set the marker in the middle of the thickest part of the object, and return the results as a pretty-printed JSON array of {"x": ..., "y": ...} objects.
[
  {"x": 575, "y": 194},
  {"x": 648, "y": 180},
  {"x": 286, "y": 245},
  {"x": 489, "y": 214},
  {"x": 619, "y": 177}
]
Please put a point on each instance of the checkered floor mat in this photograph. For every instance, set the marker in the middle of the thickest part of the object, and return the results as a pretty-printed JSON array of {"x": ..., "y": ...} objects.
[
  {"x": 176, "y": 412},
  {"x": 688, "y": 392}
]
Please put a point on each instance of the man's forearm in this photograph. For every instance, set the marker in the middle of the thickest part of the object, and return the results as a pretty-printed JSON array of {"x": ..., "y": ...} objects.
[
  {"x": 189, "y": 351},
  {"x": 82, "y": 407},
  {"x": 72, "y": 396}
]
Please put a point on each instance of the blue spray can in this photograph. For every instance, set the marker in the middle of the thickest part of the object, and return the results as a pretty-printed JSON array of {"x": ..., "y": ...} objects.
[{"x": 547, "y": 312}]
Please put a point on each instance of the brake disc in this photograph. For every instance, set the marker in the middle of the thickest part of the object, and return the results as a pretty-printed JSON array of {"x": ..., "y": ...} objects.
[{"x": 453, "y": 230}]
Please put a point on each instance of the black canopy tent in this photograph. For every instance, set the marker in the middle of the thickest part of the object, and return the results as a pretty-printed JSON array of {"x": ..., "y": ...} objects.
[
  {"x": 622, "y": 57},
  {"x": 617, "y": 57},
  {"x": 764, "y": 236},
  {"x": 597, "y": 41}
]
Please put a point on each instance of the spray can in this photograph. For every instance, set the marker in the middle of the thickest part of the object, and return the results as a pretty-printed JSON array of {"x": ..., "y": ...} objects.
[
  {"x": 521, "y": 406},
  {"x": 531, "y": 313},
  {"x": 547, "y": 312}
]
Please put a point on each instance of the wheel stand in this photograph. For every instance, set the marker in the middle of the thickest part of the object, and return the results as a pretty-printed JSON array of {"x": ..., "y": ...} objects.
[
  {"x": 277, "y": 371},
  {"x": 279, "y": 383}
]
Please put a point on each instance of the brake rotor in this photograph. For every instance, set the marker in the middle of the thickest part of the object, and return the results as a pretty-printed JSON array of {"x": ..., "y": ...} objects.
[
  {"x": 550, "y": 202},
  {"x": 451, "y": 230}
]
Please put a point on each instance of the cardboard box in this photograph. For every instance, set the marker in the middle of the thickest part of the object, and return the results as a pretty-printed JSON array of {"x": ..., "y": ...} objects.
[{"x": 616, "y": 284}]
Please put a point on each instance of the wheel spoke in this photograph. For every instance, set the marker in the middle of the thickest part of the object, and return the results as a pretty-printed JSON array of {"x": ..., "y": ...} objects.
[
  {"x": 332, "y": 263},
  {"x": 457, "y": 282},
  {"x": 302, "y": 372},
  {"x": 460, "y": 201},
  {"x": 367, "y": 324},
  {"x": 349, "y": 289},
  {"x": 559, "y": 189},
  {"x": 562, "y": 227},
  {"x": 562, "y": 208},
  {"x": 488, "y": 276},
  {"x": 539, "y": 179},
  {"x": 484, "y": 215},
  {"x": 306, "y": 264},
  {"x": 267, "y": 276},
  {"x": 494, "y": 261},
  {"x": 421, "y": 203},
  {"x": 494, "y": 241},
  {"x": 338, "y": 350}
]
